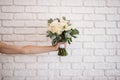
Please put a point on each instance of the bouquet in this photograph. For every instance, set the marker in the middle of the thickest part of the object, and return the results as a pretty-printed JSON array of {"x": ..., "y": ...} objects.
[{"x": 61, "y": 30}]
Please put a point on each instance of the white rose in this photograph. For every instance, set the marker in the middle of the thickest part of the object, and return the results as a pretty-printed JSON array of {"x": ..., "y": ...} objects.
[
  {"x": 54, "y": 23},
  {"x": 68, "y": 28},
  {"x": 54, "y": 29},
  {"x": 59, "y": 32}
]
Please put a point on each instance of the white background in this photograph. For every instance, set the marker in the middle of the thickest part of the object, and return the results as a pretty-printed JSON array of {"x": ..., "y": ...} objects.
[{"x": 94, "y": 55}]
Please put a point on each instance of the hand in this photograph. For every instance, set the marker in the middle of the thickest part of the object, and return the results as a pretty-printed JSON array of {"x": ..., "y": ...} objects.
[{"x": 60, "y": 43}]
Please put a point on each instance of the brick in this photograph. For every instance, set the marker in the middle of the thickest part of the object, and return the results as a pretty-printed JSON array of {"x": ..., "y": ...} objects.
[
  {"x": 105, "y": 38},
  {"x": 0, "y": 66},
  {"x": 71, "y": 72},
  {"x": 45, "y": 43},
  {"x": 5, "y": 58},
  {"x": 93, "y": 59},
  {"x": 113, "y": 17},
  {"x": 94, "y": 3},
  {"x": 118, "y": 52},
  {"x": 53, "y": 53},
  {"x": 36, "y": 23},
  {"x": 105, "y": 24},
  {"x": 75, "y": 45},
  {"x": 59, "y": 66},
  {"x": 0, "y": 23},
  {"x": 13, "y": 23},
  {"x": 104, "y": 78},
  {"x": 73, "y": 16},
  {"x": 93, "y": 73},
  {"x": 118, "y": 65},
  {"x": 71, "y": 3},
  {"x": 12, "y": 66},
  {"x": 36, "y": 9},
  {"x": 113, "y": 3},
  {"x": 94, "y": 17},
  {"x": 6, "y": 73},
  {"x": 82, "y": 52},
  {"x": 12, "y": 9},
  {"x": 82, "y": 78},
  {"x": 46, "y": 16},
  {"x": 75, "y": 78},
  {"x": 84, "y": 38},
  {"x": 25, "y": 30},
  {"x": 82, "y": 66},
  {"x": 44, "y": 73},
  {"x": 105, "y": 66},
  {"x": 94, "y": 45},
  {"x": 82, "y": 10},
  {"x": 41, "y": 30},
  {"x": 112, "y": 59},
  {"x": 118, "y": 78},
  {"x": 36, "y": 78},
  {"x": 48, "y": 2},
  {"x": 25, "y": 58},
  {"x": 118, "y": 24},
  {"x": 6, "y": 2},
  {"x": 60, "y": 10},
  {"x": 6, "y": 16},
  {"x": 24, "y": 16},
  {"x": 24, "y": 2},
  {"x": 13, "y": 37},
  {"x": 105, "y": 10},
  {"x": 119, "y": 10},
  {"x": 36, "y": 66},
  {"x": 25, "y": 73},
  {"x": 112, "y": 73},
  {"x": 83, "y": 24},
  {"x": 113, "y": 31},
  {"x": 6, "y": 30},
  {"x": 71, "y": 59},
  {"x": 94, "y": 31},
  {"x": 23, "y": 43},
  {"x": 35, "y": 38},
  {"x": 0, "y": 38},
  {"x": 14, "y": 78},
  {"x": 105, "y": 52},
  {"x": 113, "y": 45},
  {"x": 48, "y": 59},
  {"x": 61, "y": 78}
]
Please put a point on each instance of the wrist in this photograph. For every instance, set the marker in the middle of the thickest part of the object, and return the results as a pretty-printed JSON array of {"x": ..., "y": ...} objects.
[
  {"x": 62, "y": 46},
  {"x": 55, "y": 48}
]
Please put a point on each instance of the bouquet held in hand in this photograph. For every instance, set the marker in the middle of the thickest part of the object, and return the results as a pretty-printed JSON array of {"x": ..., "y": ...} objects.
[{"x": 61, "y": 30}]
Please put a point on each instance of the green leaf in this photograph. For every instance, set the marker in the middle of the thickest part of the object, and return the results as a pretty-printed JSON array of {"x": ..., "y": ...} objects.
[
  {"x": 74, "y": 36},
  {"x": 74, "y": 31},
  {"x": 71, "y": 39},
  {"x": 49, "y": 34},
  {"x": 50, "y": 20},
  {"x": 64, "y": 18},
  {"x": 68, "y": 41}
]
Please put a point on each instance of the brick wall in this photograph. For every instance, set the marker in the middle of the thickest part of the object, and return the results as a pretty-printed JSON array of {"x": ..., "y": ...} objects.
[{"x": 94, "y": 55}]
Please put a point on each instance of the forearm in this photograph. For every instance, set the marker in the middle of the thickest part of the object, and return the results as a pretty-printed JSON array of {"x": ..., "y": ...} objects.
[
  {"x": 13, "y": 49},
  {"x": 38, "y": 49},
  {"x": 10, "y": 49}
]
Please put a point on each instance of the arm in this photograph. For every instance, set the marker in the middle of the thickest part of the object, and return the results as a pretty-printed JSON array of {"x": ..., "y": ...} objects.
[{"x": 29, "y": 49}]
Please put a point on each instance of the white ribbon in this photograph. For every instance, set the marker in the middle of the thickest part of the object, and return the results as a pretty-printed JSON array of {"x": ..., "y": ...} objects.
[{"x": 62, "y": 46}]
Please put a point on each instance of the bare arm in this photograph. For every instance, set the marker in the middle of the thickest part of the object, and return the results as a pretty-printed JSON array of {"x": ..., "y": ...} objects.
[{"x": 29, "y": 49}]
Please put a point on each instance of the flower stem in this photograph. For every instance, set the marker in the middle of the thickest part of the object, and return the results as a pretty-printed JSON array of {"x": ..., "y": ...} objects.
[{"x": 62, "y": 52}]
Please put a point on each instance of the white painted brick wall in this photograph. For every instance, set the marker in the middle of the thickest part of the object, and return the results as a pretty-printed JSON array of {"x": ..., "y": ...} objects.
[
  {"x": 13, "y": 23},
  {"x": 94, "y": 55},
  {"x": 12, "y": 9}
]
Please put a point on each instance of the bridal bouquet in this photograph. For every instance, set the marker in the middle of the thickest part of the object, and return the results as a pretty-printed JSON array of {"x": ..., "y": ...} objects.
[{"x": 61, "y": 30}]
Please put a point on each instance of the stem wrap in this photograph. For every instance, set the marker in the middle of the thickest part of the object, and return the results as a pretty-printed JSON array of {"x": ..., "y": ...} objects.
[{"x": 62, "y": 52}]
